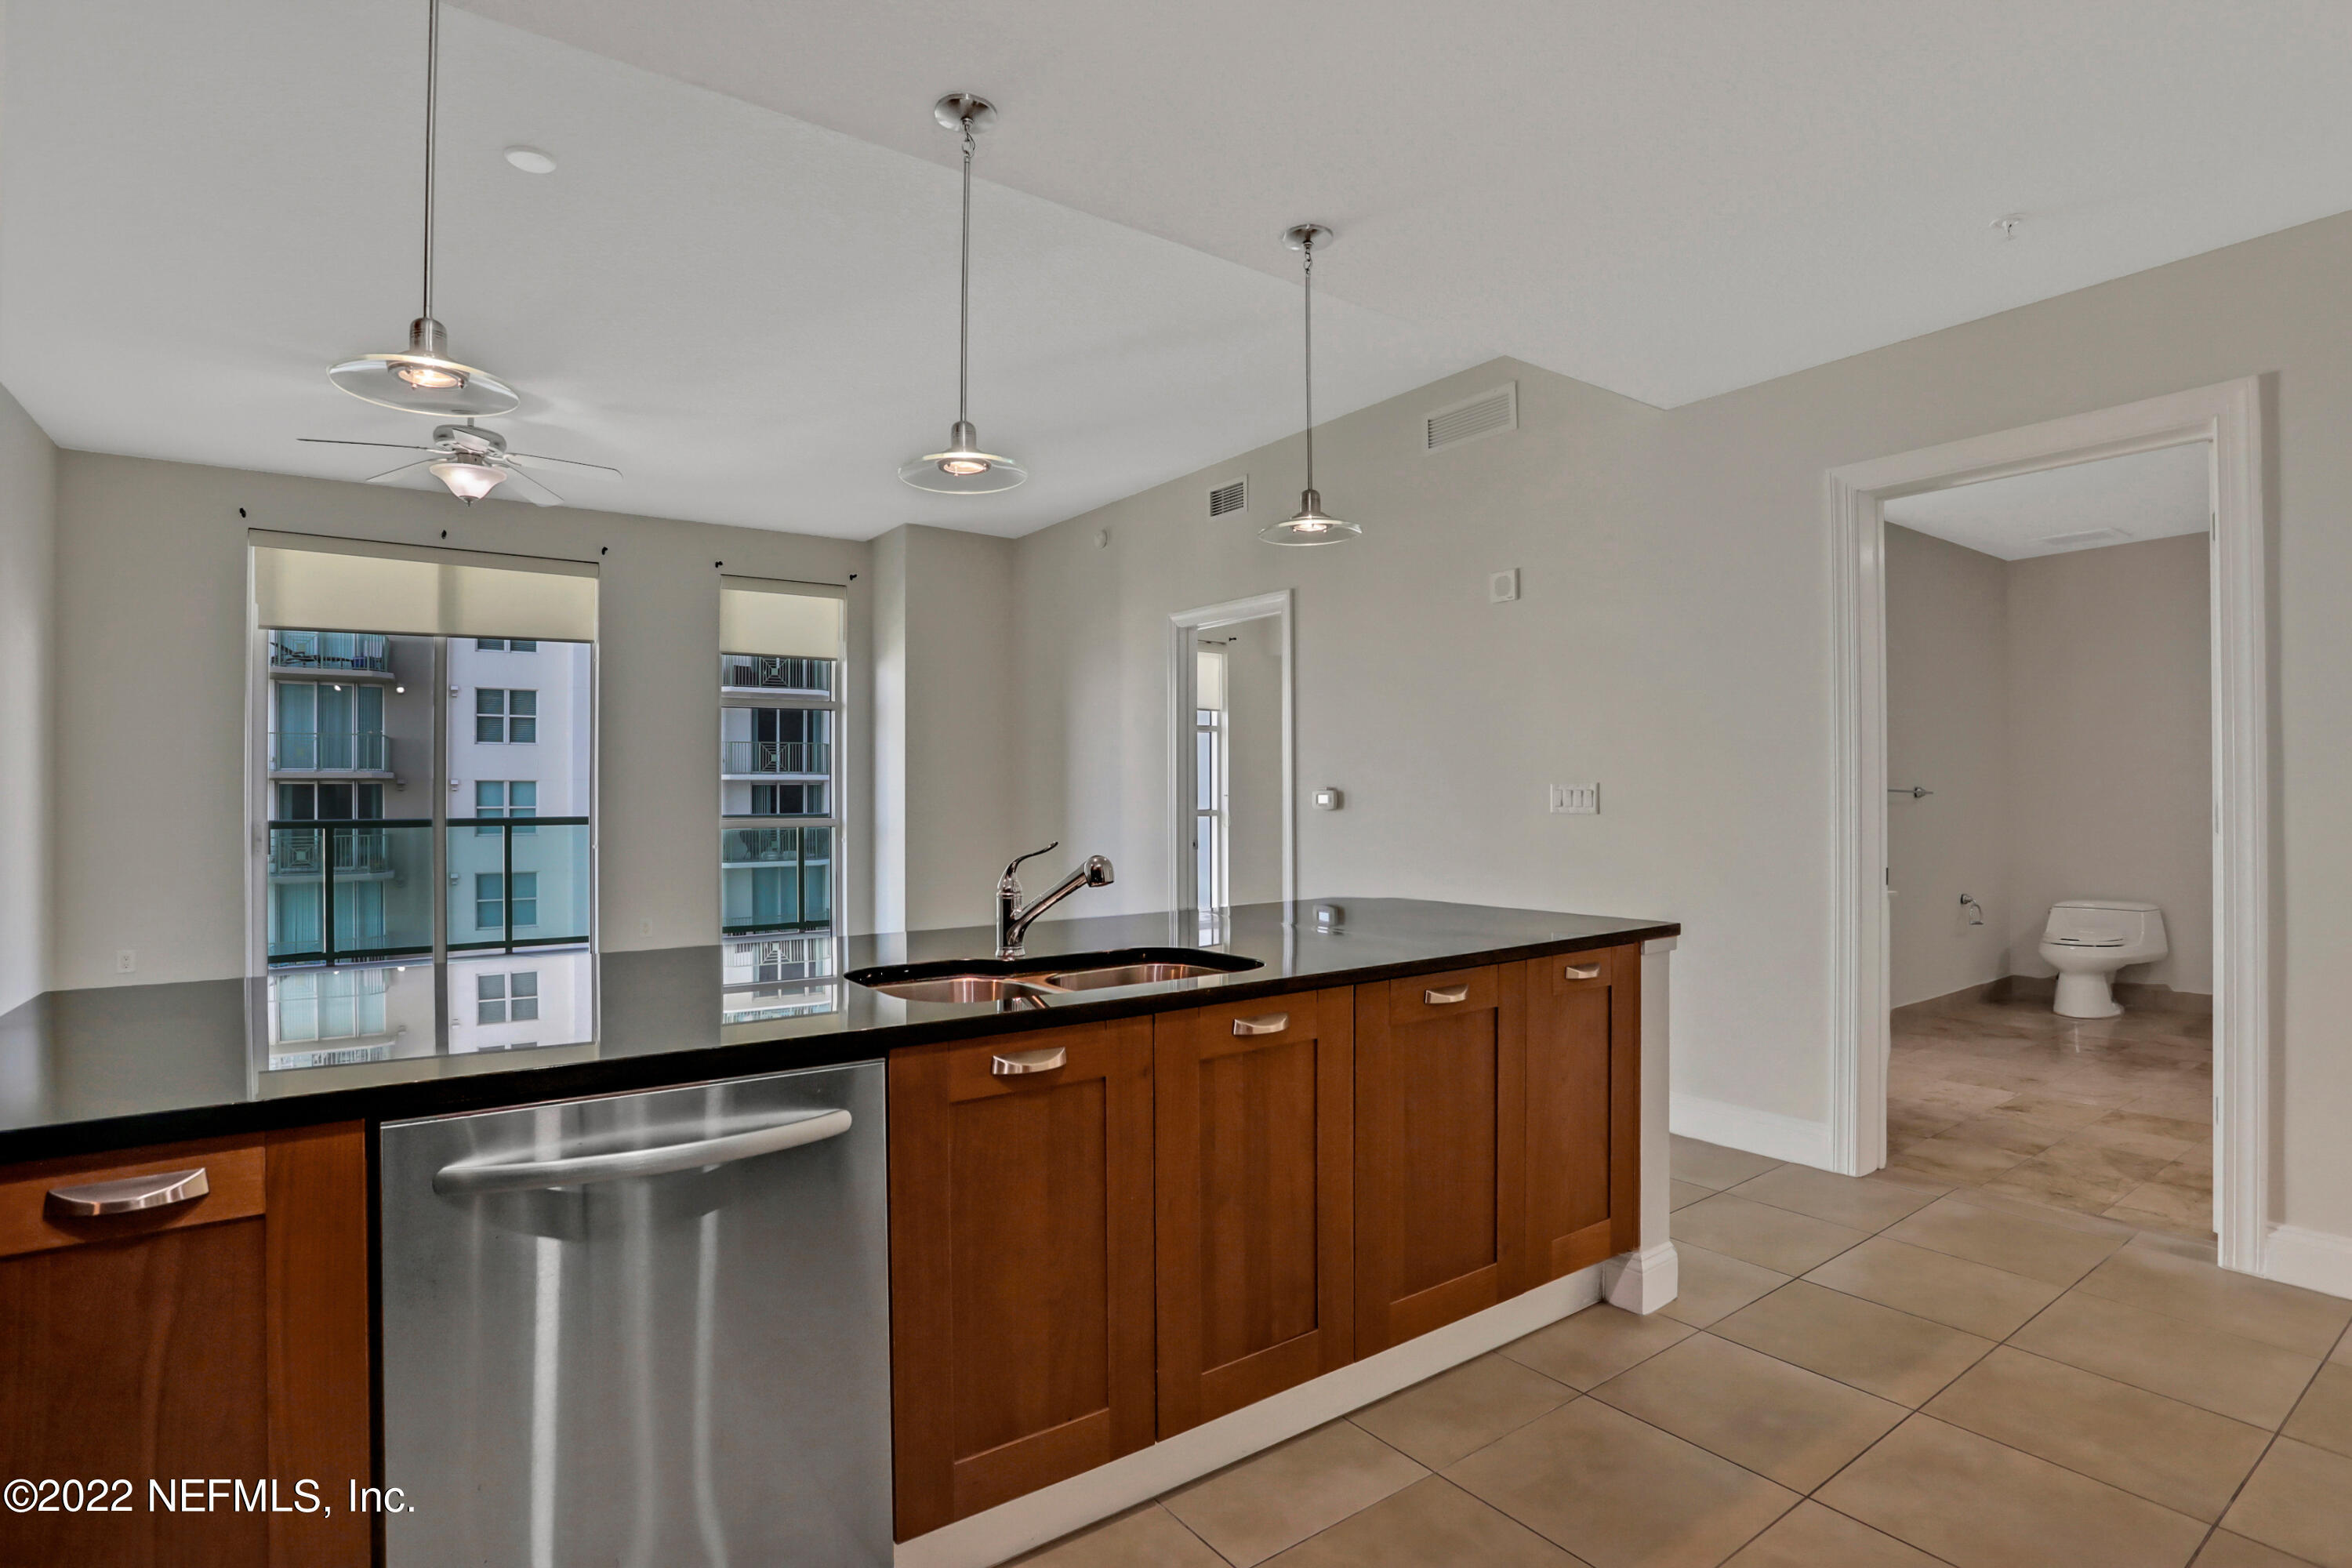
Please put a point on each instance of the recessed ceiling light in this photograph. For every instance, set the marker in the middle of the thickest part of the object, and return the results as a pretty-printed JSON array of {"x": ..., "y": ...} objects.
[{"x": 530, "y": 160}]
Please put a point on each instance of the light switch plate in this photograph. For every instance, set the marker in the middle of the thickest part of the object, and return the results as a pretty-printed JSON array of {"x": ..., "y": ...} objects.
[
  {"x": 1576, "y": 800},
  {"x": 1503, "y": 586}
]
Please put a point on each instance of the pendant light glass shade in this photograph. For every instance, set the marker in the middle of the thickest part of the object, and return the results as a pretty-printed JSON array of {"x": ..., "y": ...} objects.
[
  {"x": 963, "y": 469},
  {"x": 424, "y": 379},
  {"x": 1310, "y": 524}
]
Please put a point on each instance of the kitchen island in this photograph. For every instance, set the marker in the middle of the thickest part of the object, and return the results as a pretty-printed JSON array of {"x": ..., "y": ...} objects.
[{"x": 1135, "y": 1232}]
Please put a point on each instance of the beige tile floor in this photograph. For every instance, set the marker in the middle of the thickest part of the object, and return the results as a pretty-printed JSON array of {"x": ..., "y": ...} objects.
[
  {"x": 1886, "y": 1372},
  {"x": 2110, "y": 1116}
]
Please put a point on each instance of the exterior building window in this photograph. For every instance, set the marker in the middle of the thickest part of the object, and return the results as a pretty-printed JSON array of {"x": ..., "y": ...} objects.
[
  {"x": 505, "y": 798},
  {"x": 505, "y": 716},
  {"x": 778, "y": 775},
  {"x": 504, "y": 645},
  {"x": 507, "y": 998}
]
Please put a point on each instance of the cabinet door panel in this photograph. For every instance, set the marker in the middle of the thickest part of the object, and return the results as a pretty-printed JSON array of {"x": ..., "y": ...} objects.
[
  {"x": 1440, "y": 1150},
  {"x": 1021, "y": 1266},
  {"x": 1254, "y": 1176},
  {"x": 1583, "y": 1109}
]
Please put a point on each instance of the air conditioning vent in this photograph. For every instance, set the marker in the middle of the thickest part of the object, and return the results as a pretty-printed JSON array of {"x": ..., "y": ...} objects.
[
  {"x": 1489, "y": 414},
  {"x": 1230, "y": 496},
  {"x": 2085, "y": 539}
]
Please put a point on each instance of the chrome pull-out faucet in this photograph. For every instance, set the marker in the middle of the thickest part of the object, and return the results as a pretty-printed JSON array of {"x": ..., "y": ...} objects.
[{"x": 1012, "y": 921}]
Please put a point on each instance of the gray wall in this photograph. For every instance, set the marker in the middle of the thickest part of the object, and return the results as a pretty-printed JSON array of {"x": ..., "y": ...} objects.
[
  {"x": 150, "y": 816},
  {"x": 2110, "y": 714},
  {"x": 1253, "y": 768},
  {"x": 28, "y": 626},
  {"x": 1674, "y": 642},
  {"x": 1946, "y": 728},
  {"x": 2059, "y": 707}
]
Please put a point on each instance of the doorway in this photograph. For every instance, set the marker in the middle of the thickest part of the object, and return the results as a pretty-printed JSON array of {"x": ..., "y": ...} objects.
[
  {"x": 1230, "y": 820},
  {"x": 2227, "y": 419}
]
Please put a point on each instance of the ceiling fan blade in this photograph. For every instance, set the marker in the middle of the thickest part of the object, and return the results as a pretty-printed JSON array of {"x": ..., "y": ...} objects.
[
  {"x": 568, "y": 462},
  {"x": 397, "y": 446},
  {"x": 524, "y": 487},
  {"x": 390, "y": 474}
]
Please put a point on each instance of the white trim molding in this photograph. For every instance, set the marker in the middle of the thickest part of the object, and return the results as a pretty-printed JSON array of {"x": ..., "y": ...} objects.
[
  {"x": 1012, "y": 1528},
  {"x": 1181, "y": 627},
  {"x": 2315, "y": 1259},
  {"x": 1762, "y": 1132},
  {"x": 2229, "y": 417},
  {"x": 1642, "y": 1281}
]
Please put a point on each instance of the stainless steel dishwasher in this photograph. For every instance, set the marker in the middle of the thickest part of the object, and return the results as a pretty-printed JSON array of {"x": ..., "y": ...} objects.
[{"x": 647, "y": 1331}]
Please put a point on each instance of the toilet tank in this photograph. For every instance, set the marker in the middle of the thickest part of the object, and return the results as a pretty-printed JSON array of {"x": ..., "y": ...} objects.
[{"x": 2104, "y": 922}]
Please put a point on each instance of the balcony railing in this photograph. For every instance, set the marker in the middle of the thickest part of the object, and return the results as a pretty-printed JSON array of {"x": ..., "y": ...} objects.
[
  {"x": 518, "y": 882},
  {"x": 351, "y": 851},
  {"x": 745, "y": 672},
  {"x": 343, "y": 890},
  {"x": 344, "y": 752},
  {"x": 329, "y": 650},
  {"x": 775, "y": 880},
  {"x": 776, "y": 759}
]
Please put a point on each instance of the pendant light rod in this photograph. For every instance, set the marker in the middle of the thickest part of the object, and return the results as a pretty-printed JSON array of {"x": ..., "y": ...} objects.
[
  {"x": 432, "y": 116},
  {"x": 1307, "y": 268},
  {"x": 964, "y": 303}
]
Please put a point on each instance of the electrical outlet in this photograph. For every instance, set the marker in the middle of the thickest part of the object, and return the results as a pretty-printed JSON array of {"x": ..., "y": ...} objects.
[
  {"x": 1503, "y": 586},
  {"x": 1329, "y": 800},
  {"x": 645, "y": 925},
  {"x": 126, "y": 961},
  {"x": 1576, "y": 800}
]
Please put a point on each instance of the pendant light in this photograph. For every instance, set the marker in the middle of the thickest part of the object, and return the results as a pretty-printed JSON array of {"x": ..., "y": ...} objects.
[
  {"x": 424, "y": 379},
  {"x": 1312, "y": 525},
  {"x": 963, "y": 469}
]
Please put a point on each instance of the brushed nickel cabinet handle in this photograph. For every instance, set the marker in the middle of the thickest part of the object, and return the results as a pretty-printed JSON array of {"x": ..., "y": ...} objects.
[
  {"x": 1444, "y": 995},
  {"x": 1264, "y": 1024},
  {"x": 1582, "y": 971},
  {"x": 132, "y": 1193},
  {"x": 1012, "y": 1064}
]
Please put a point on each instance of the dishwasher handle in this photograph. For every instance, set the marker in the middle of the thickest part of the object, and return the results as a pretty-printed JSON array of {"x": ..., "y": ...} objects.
[{"x": 469, "y": 1176}]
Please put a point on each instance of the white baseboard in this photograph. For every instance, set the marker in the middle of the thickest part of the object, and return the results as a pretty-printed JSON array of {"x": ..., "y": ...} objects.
[
  {"x": 1013, "y": 1527},
  {"x": 1765, "y": 1132},
  {"x": 2315, "y": 1259},
  {"x": 1642, "y": 1281}
]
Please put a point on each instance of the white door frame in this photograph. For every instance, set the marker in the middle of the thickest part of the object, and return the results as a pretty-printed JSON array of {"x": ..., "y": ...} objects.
[
  {"x": 2229, "y": 415},
  {"x": 1182, "y": 628}
]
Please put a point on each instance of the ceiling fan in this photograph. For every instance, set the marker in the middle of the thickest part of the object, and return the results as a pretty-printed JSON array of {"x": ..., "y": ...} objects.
[{"x": 473, "y": 462}]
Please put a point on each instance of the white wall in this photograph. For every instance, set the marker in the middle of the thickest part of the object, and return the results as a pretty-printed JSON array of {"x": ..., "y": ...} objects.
[
  {"x": 1254, "y": 765},
  {"x": 28, "y": 626},
  {"x": 2110, "y": 704},
  {"x": 2059, "y": 708},
  {"x": 151, "y": 577},
  {"x": 1674, "y": 644},
  {"x": 945, "y": 741},
  {"x": 1947, "y": 729}
]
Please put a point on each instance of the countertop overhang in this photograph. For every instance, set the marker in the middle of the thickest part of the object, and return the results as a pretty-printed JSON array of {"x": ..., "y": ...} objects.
[{"x": 120, "y": 1067}]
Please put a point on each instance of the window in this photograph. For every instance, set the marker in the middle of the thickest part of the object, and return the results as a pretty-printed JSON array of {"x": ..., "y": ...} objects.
[
  {"x": 330, "y": 802},
  {"x": 489, "y": 900},
  {"x": 507, "y": 998},
  {"x": 505, "y": 798},
  {"x": 504, "y": 645},
  {"x": 524, "y": 902},
  {"x": 505, "y": 717}
]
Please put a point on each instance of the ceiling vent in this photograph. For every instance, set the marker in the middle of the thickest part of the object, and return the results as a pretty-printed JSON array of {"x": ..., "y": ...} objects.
[
  {"x": 1489, "y": 414},
  {"x": 1229, "y": 497},
  {"x": 2085, "y": 539}
]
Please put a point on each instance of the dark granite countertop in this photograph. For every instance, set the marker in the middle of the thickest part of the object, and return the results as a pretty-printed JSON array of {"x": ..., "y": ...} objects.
[{"x": 118, "y": 1067}]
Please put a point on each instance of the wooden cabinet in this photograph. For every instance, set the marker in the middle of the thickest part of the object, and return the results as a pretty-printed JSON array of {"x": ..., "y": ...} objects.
[
  {"x": 1254, "y": 1181},
  {"x": 1021, "y": 1264},
  {"x": 224, "y": 1336},
  {"x": 1584, "y": 1110},
  {"x": 1441, "y": 1201}
]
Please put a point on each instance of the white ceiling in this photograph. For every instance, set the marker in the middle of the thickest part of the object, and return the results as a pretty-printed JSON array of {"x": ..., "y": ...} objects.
[
  {"x": 744, "y": 295},
  {"x": 203, "y": 206},
  {"x": 2118, "y": 501}
]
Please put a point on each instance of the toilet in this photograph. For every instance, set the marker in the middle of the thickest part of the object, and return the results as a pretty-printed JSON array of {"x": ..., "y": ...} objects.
[{"x": 2088, "y": 939}]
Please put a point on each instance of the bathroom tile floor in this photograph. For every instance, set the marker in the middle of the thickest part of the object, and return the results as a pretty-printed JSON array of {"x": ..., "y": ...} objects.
[
  {"x": 1889, "y": 1372},
  {"x": 2109, "y": 1115}
]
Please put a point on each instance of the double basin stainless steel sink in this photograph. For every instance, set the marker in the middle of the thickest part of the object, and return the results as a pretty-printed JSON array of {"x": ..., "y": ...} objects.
[{"x": 1032, "y": 980}]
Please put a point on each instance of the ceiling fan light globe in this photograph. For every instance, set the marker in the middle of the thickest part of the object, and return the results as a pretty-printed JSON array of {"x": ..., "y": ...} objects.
[
  {"x": 428, "y": 377},
  {"x": 963, "y": 467},
  {"x": 469, "y": 479}
]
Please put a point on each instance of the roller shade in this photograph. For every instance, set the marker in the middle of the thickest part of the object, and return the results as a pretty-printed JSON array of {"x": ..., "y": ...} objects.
[
  {"x": 1208, "y": 679},
  {"x": 358, "y": 586},
  {"x": 785, "y": 620}
]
